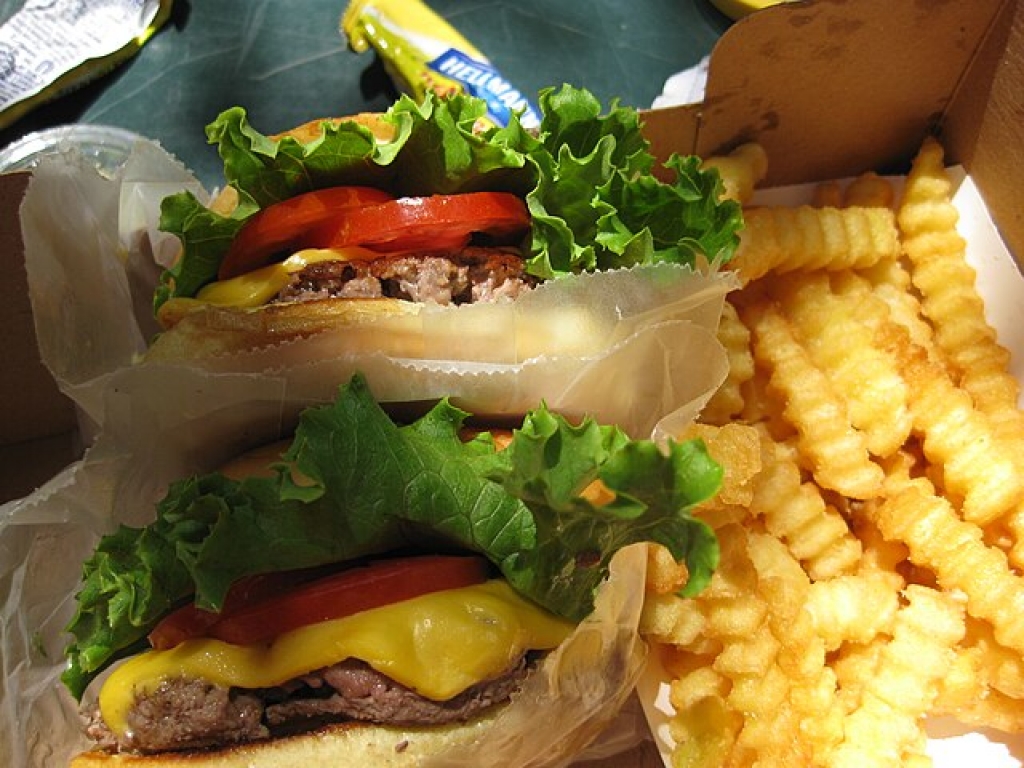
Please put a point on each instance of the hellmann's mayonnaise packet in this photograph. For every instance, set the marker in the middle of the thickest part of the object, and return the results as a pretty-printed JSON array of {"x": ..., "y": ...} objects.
[
  {"x": 423, "y": 52},
  {"x": 49, "y": 47}
]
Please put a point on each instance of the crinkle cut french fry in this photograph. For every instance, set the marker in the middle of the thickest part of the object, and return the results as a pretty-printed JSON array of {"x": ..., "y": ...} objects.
[
  {"x": 750, "y": 659},
  {"x": 996, "y": 668},
  {"x": 727, "y": 402},
  {"x": 836, "y": 332},
  {"x": 668, "y": 618},
  {"x": 869, "y": 190},
  {"x": 957, "y": 554},
  {"x": 968, "y": 697},
  {"x": 853, "y": 608},
  {"x": 910, "y": 668},
  {"x": 927, "y": 219},
  {"x": 801, "y": 656},
  {"x": 946, "y": 282},
  {"x": 705, "y": 732},
  {"x": 838, "y": 452},
  {"x": 786, "y": 239},
  {"x": 757, "y": 690},
  {"x": 737, "y": 447},
  {"x": 827, "y": 194},
  {"x": 664, "y": 575},
  {"x": 741, "y": 170},
  {"x": 956, "y": 436},
  {"x": 796, "y": 513}
]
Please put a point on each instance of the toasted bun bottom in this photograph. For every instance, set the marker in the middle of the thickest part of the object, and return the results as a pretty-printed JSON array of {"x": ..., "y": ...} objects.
[
  {"x": 349, "y": 744},
  {"x": 196, "y": 331}
]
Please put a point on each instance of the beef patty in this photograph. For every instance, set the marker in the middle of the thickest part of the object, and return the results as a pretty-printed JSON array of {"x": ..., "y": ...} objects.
[
  {"x": 189, "y": 714},
  {"x": 474, "y": 274}
]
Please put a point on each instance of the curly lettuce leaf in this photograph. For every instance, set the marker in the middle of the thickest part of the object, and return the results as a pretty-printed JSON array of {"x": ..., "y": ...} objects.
[
  {"x": 586, "y": 177},
  {"x": 355, "y": 484}
]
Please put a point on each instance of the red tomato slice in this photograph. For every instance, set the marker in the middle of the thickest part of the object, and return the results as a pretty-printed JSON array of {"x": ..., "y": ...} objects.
[
  {"x": 332, "y": 218},
  {"x": 342, "y": 594},
  {"x": 189, "y": 621},
  {"x": 430, "y": 223},
  {"x": 281, "y": 225}
]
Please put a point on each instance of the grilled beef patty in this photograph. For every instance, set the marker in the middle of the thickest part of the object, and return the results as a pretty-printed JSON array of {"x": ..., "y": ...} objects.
[
  {"x": 190, "y": 714},
  {"x": 474, "y": 274}
]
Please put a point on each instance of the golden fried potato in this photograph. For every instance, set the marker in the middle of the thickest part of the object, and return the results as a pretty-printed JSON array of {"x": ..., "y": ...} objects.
[
  {"x": 741, "y": 170},
  {"x": 787, "y": 239},
  {"x": 872, "y": 569},
  {"x": 869, "y": 190}
]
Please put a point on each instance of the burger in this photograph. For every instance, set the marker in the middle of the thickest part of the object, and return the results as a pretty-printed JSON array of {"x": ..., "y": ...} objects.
[
  {"x": 347, "y": 221},
  {"x": 377, "y": 593}
]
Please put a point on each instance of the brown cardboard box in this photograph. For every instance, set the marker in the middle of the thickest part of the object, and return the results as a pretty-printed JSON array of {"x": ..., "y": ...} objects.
[{"x": 832, "y": 88}]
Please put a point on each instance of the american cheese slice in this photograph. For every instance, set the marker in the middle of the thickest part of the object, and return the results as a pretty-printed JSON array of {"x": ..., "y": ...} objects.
[{"x": 437, "y": 644}]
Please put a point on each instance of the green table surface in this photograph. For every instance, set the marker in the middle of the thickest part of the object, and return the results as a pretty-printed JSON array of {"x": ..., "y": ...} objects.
[{"x": 287, "y": 62}]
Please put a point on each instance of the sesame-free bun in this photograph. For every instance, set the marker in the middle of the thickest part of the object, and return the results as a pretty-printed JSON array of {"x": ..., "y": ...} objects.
[
  {"x": 311, "y": 130},
  {"x": 197, "y": 331},
  {"x": 348, "y": 744}
]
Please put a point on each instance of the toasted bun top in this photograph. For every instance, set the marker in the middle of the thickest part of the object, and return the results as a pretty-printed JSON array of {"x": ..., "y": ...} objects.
[
  {"x": 227, "y": 199},
  {"x": 308, "y": 131}
]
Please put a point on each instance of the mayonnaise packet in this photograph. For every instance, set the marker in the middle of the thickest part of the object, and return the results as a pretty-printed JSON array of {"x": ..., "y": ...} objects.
[
  {"x": 48, "y": 48},
  {"x": 423, "y": 52}
]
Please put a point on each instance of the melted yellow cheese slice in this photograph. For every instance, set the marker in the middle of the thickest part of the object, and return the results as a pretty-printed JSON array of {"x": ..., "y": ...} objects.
[
  {"x": 256, "y": 288},
  {"x": 437, "y": 644}
]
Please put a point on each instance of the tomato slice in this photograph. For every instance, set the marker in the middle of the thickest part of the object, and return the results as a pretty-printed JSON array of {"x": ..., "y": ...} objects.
[
  {"x": 279, "y": 226},
  {"x": 426, "y": 223},
  {"x": 392, "y": 226},
  {"x": 189, "y": 621},
  {"x": 253, "y": 620}
]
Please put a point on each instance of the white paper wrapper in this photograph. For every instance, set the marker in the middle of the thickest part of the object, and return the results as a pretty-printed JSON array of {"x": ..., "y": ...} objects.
[{"x": 629, "y": 347}]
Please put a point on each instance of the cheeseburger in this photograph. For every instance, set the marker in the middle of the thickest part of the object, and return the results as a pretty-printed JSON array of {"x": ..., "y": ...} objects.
[
  {"x": 342, "y": 221},
  {"x": 373, "y": 593}
]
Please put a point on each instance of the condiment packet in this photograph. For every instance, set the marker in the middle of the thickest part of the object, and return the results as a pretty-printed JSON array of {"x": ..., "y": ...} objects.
[
  {"x": 423, "y": 52},
  {"x": 49, "y": 47}
]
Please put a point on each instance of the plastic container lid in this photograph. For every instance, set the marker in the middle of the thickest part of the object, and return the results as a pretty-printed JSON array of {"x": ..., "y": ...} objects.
[{"x": 106, "y": 146}]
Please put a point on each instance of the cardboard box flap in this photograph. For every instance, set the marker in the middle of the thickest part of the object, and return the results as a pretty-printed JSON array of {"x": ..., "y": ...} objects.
[
  {"x": 886, "y": 71},
  {"x": 985, "y": 127},
  {"x": 37, "y": 422}
]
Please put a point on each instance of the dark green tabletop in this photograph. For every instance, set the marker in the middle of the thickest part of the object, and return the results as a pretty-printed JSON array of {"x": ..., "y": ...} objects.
[{"x": 287, "y": 62}]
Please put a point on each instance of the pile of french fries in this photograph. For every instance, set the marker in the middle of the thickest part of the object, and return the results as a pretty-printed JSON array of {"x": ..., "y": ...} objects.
[{"x": 872, "y": 516}]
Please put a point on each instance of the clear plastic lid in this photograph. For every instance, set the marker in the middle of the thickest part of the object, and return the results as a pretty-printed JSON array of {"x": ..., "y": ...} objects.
[{"x": 106, "y": 146}]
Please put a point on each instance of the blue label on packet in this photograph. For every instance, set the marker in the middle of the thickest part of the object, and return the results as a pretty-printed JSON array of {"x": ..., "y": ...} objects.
[{"x": 484, "y": 81}]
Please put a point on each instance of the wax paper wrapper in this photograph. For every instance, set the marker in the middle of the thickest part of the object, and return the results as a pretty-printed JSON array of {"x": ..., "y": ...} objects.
[
  {"x": 631, "y": 346},
  {"x": 634, "y": 347},
  {"x": 152, "y": 438}
]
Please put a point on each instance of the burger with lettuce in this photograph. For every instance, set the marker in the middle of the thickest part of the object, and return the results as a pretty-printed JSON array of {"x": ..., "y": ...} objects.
[
  {"x": 347, "y": 220},
  {"x": 376, "y": 593}
]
